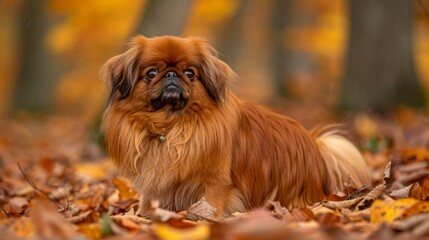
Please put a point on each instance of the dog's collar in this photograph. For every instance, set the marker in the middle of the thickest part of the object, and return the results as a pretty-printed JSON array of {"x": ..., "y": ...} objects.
[{"x": 162, "y": 138}]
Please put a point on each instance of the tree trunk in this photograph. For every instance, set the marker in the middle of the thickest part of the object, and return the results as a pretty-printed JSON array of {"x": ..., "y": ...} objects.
[
  {"x": 38, "y": 73},
  {"x": 164, "y": 17},
  {"x": 379, "y": 71}
]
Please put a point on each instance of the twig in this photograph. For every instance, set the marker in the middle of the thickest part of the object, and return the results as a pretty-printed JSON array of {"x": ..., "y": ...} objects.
[
  {"x": 425, "y": 10},
  {"x": 5, "y": 212},
  {"x": 30, "y": 182}
]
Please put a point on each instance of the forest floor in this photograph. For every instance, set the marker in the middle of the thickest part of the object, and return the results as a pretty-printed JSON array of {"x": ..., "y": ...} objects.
[{"x": 56, "y": 182}]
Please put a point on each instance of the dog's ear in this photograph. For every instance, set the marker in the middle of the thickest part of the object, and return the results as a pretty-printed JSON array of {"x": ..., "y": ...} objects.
[
  {"x": 216, "y": 75},
  {"x": 121, "y": 73}
]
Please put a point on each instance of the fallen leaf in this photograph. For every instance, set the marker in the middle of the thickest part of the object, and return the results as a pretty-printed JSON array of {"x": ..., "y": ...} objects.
[
  {"x": 124, "y": 187},
  {"x": 402, "y": 193},
  {"x": 124, "y": 204},
  {"x": 370, "y": 197},
  {"x": 90, "y": 230},
  {"x": 328, "y": 220},
  {"x": 61, "y": 192},
  {"x": 22, "y": 227},
  {"x": 48, "y": 223},
  {"x": 202, "y": 210},
  {"x": 418, "y": 208},
  {"x": 415, "y": 155},
  {"x": 16, "y": 205},
  {"x": 80, "y": 218},
  {"x": 342, "y": 204},
  {"x": 159, "y": 214},
  {"x": 133, "y": 218},
  {"x": 167, "y": 232},
  {"x": 410, "y": 222},
  {"x": 390, "y": 211}
]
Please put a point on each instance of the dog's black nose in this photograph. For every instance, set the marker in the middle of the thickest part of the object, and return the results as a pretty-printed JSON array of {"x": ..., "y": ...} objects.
[{"x": 171, "y": 74}]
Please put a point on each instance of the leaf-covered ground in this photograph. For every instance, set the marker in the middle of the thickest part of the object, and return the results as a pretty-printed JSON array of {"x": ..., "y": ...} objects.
[{"x": 55, "y": 182}]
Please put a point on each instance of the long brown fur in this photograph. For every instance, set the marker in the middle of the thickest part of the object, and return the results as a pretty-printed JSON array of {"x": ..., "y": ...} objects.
[{"x": 210, "y": 143}]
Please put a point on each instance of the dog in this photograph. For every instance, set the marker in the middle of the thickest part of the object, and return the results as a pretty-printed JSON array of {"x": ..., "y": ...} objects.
[{"x": 177, "y": 131}]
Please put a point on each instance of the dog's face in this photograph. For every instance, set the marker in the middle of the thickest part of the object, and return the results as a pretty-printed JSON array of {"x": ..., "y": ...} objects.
[{"x": 167, "y": 73}]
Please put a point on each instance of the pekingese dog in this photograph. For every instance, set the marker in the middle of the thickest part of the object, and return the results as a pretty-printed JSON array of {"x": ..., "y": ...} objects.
[{"x": 176, "y": 130}]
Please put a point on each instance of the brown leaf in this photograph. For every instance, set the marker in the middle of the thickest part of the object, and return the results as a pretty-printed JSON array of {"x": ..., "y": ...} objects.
[
  {"x": 415, "y": 176},
  {"x": 80, "y": 218},
  {"x": 202, "y": 210},
  {"x": 259, "y": 225},
  {"x": 369, "y": 199},
  {"x": 402, "y": 193},
  {"x": 410, "y": 222},
  {"x": 162, "y": 215},
  {"x": 415, "y": 155},
  {"x": 278, "y": 210},
  {"x": 133, "y": 218},
  {"x": 16, "y": 205},
  {"x": 90, "y": 230},
  {"x": 300, "y": 214},
  {"x": 124, "y": 204},
  {"x": 328, "y": 219},
  {"x": 61, "y": 192},
  {"x": 412, "y": 167},
  {"x": 387, "y": 172},
  {"x": 124, "y": 187},
  {"x": 342, "y": 204},
  {"x": 48, "y": 223},
  {"x": 418, "y": 208}
]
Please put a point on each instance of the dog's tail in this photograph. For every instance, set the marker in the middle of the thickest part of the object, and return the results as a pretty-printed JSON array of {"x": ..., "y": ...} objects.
[{"x": 345, "y": 164}]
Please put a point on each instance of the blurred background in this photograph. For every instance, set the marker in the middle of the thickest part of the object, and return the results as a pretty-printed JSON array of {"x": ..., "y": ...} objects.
[{"x": 317, "y": 56}]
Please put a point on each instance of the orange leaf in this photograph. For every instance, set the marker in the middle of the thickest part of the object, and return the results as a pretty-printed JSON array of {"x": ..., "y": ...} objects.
[{"x": 124, "y": 187}]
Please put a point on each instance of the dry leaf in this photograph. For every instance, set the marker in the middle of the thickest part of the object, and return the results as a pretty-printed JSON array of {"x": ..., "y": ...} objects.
[
  {"x": 278, "y": 210},
  {"x": 342, "y": 204},
  {"x": 90, "y": 230},
  {"x": 167, "y": 232},
  {"x": 390, "y": 211},
  {"x": 202, "y": 210},
  {"x": 22, "y": 227},
  {"x": 328, "y": 219},
  {"x": 420, "y": 191},
  {"x": 48, "y": 223},
  {"x": 370, "y": 197},
  {"x": 61, "y": 192},
  {"x": 80, "y": 218},
  {"x": 415, "y": 155},
  {"x": 16, "y": 205},
  {"x": 412, "y": 167},
  {"x": 415, "y": 176},
  {"x": 418, "y": 208},
  {"x": 159, "y": 214},
  {"x": 259, "y": 225},
  {"x": 133, "y": 218},
  {"x": 402, "y": 193},
  {"x": 387, "y": 172},
  {"x": 124, "y": 187},
  {"x": 410, "y": 222}
]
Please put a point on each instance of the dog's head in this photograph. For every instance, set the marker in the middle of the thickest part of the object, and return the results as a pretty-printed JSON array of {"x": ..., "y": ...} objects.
[{"x": 166, "y": 73}]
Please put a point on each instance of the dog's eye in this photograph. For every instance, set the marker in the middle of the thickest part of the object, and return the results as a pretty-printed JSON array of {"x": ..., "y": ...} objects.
[
  {"x": 151, "y": 74},
  {"x": 190, "y": 74}
]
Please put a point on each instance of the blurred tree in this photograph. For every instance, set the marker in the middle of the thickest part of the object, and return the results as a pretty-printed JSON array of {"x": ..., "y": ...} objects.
[
  {"x": 164, "y": 17},
  {"x": 38, "y": 73},
  {"x": 379, "y": 71}
]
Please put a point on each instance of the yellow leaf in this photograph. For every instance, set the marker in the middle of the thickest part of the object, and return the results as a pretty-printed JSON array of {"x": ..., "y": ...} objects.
[
  {"x": 91, "y": 231},
  {"x": 415, "y": 155},
  {"x": 22, "y": 227},
  {"x": 389, "y": 211},
  {"x": 93, "y": 170},
  {"x": 164, "y": 231},
  {"x": 124, "y": 187}
]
